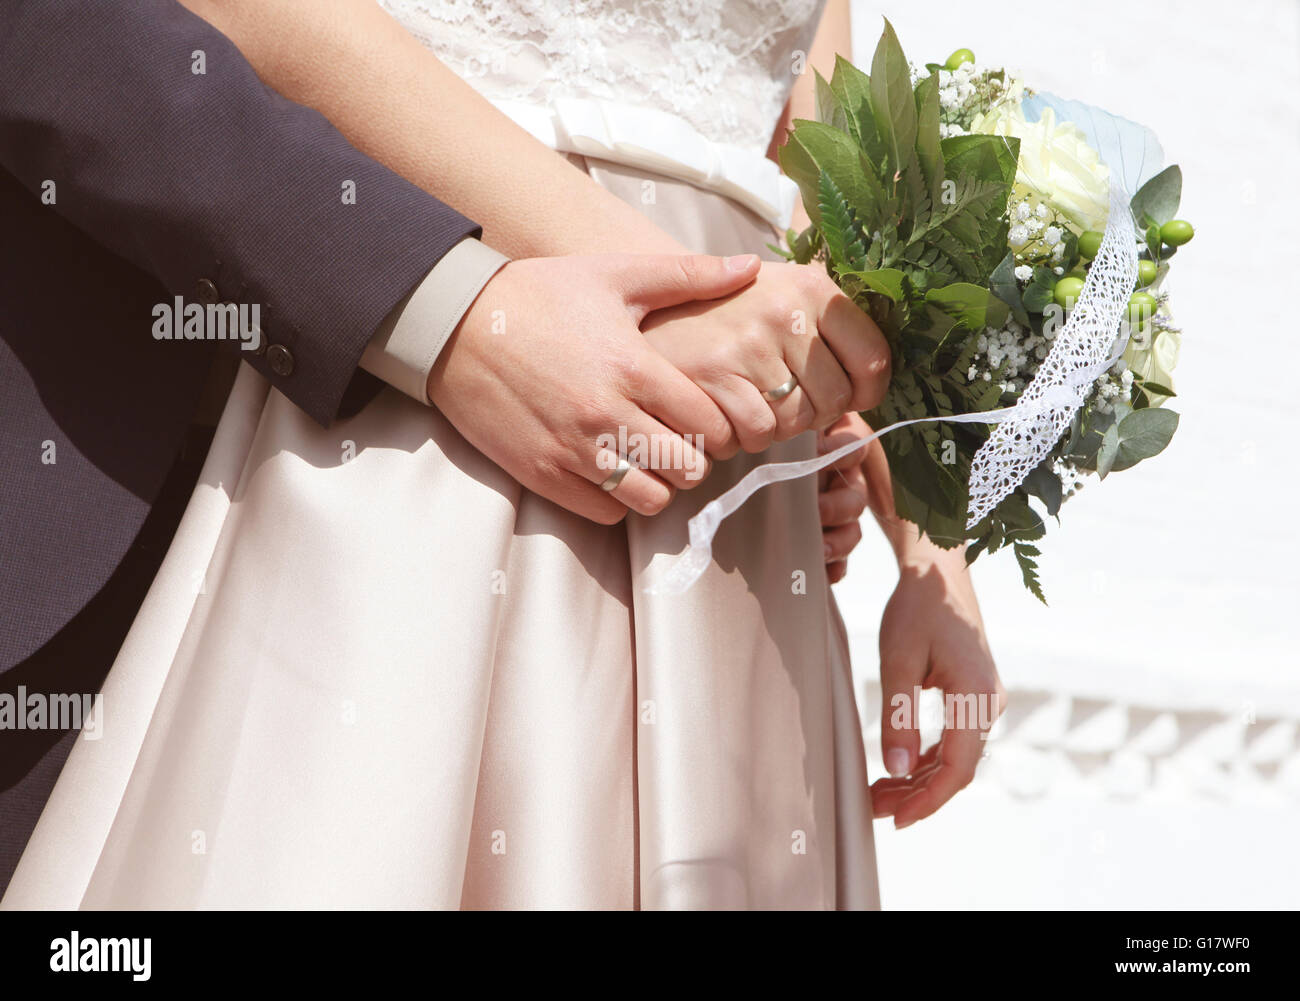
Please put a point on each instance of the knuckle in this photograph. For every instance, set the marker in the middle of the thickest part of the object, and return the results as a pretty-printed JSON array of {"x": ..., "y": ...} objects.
[
  {"x": 722, "y": 362},
  {"x": 591, "y": 415},
  {"x": 873, "y": 370},
  {"x": 655, "y": 501},
  {"x": 692, "y": 476},
  {"x": 813, "y": 281},
  {"x": 763, "y": 424},
  {"x": 755, "y": 341},
  {"x": 611, "y": 515},
  {"x": 691, "y": 270},
  {"x": 538, "y": 468},
  {"x": 718, "y": 429},
  {"x": 630, "y": 372}
]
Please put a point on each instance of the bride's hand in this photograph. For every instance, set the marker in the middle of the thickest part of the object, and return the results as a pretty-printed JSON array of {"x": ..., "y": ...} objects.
[
  {"x": 793, "y": 320},
  {"x": 549, "y": 360},
  {"x": 932, "y": 636},
  {"x": 842, "y": 494}
]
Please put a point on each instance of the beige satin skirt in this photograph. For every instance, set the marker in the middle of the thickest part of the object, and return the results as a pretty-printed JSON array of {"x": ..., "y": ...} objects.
[{"x": 375, "y": 672}]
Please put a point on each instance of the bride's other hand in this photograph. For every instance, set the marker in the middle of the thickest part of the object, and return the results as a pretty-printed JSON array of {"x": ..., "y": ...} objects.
[
  {"x": 793, "y": 320},
  {"x": 932, "y": 636},
  {"x": 550, "y": 359},
  {"x": 842, "y": 494}
]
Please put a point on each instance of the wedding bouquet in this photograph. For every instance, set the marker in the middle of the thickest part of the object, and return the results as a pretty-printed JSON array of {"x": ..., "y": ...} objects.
[{"x": 972, "y": 219}]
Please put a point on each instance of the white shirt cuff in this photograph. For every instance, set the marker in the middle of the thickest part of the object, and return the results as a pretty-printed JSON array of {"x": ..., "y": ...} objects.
[{"x": 408, "y": 342}]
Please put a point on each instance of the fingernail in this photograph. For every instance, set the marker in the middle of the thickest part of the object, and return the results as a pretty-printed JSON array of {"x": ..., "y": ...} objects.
[
  {"x": 905, "y": 823},
  {"x": 898, "y": 762},
  {"x": 741, "y": 262},
  {"x": 827, "y": 550}
]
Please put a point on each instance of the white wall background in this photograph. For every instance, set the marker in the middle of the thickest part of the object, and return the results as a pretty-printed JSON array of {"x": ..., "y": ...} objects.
[{"x": 1151, "y": 757}]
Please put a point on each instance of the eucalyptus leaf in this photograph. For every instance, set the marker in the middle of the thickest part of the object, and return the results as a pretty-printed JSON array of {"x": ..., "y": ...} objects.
[
  {"x": 1142, "y": 434},
  {"x": 1158, "y": 199},
  {"x": 1093, "y": 427},
  {"x": 1108, "y": 451},
  {"x": 1038, "y": 293},
  {"x": 1005, "y": 287},
  {"x": 1043, "y": 483}
]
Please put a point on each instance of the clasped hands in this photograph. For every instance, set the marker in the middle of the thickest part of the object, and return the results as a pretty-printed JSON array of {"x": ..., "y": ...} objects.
[{"x": 558, "y": 357}]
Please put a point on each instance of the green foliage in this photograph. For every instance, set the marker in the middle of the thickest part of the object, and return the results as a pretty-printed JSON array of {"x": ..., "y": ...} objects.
[
  {"x": 1003, "y": 285},
  {"x": 843, "y": 238},
  {"x": 1157, "y": 201},
  {"x": 1038, "y": 293},
  {"x": 1025, "y": 554},
  {"x": 912, "y": 227},
  {"x": 1137, "y": 436}
]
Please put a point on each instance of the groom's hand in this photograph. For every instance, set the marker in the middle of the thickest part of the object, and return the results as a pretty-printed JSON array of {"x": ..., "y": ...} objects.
[{"x": 548, "y": 371}]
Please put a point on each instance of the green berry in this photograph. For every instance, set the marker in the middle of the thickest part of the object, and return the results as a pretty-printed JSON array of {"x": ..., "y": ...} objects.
[
  {"x": 1176, "y": 232},
  {"x": 1147, "y": 272},
  {"x": 959, "y": 57},
  {"x": 1066, "y": 291},
  {"x": 1141, "y": 306},
  {"x": 1089, "y": 244}
]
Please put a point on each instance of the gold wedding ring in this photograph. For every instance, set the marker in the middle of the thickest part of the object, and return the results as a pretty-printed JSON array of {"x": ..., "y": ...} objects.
[
  {"x": 781, "y": 391},
  {"x": 616, "y": 477}
]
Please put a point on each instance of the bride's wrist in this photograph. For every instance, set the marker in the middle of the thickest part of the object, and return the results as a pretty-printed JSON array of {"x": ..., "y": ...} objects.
[{"x": 916, "y": 553}]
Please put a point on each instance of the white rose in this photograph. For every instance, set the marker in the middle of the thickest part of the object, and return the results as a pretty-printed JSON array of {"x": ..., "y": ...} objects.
[{"x": 1056, "y": 163}]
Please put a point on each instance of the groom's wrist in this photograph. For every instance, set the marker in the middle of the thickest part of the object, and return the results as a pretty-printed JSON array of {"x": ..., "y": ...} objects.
[{"x": 407, "y": 344}]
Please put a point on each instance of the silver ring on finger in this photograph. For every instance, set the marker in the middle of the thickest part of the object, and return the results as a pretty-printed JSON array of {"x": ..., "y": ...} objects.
[
  {"x": 611, "y": 482},
  {"x": 781, "y": 391}
]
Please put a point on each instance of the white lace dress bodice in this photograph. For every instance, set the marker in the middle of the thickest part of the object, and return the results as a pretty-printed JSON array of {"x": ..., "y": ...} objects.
[{"x": 690, "y": 87}]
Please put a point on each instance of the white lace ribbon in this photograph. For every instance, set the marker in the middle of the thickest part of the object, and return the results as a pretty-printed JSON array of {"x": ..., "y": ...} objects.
[{"x": 1026, "y": 432}]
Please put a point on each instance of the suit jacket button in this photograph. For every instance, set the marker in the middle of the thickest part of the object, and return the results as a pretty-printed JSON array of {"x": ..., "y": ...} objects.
[
  {"x": 206, "y": 292},
  {"x": 280, "y": 359}
]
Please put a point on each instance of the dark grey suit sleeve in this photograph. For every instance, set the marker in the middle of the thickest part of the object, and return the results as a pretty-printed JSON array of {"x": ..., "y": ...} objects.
[{"x": 212, "y": 175}]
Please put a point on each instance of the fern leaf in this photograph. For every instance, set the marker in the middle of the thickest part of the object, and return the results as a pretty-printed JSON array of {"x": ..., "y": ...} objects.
[{"x": 1029, "y": 569}]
